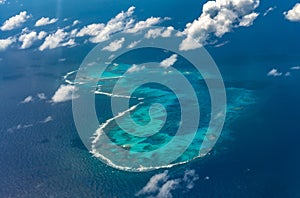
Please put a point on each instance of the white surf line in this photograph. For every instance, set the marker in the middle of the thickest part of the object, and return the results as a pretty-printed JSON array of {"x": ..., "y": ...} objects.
[
  {"x": 65, "y": 77},
  {"x": 115, "y": 95},
  {"x": 96, "y": 136}
]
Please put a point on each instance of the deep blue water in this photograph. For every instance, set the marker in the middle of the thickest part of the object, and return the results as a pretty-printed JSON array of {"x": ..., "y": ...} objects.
[{"x": 257, "y": 157}]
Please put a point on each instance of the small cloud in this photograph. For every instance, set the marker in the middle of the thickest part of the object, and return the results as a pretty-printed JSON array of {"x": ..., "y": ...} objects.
[
  {"x": 287, "y": 74},
  {"x": 165, "y": 190},
  {"x": 293, "y": 14},
  {"x": 2, "y": 1},
  {"x": 275, "y": 73},
  {"x": 27, "y": 100},
  {"x": 160, "y": 186},
  {"x": 248, "y": 20},
  {"x": 295, "y": 68},
  {"x": 141, "y": 25},
  {"x": 41, "y": 96},
  {"x": 19, "y": 127},
  {"x": 189, "y": 178},
  {"x": 45, "y": 21},
  {"x": 42, "y": 35},
  {"x": 135, "y": 68},
  {"x": 153, "y": 185},
  {"x": 159, "y": 32},
  {"x": 269, "y": 10},
  {"x": 64, "y": 93},
  {"x": 5, "y": 43},
  {"x": 46, "y": 120},
  {"x": 57, "y": 39},
  {"x": 15, "y": 21},
  {"x": 115, "y": 45},
  {"x": 169, "y": 61},
  {"x": 62, "y": 60},
  {"x": 133, "y": 44},
  {"x": 76, "y": 22},
  {"x": 28, "y": 39},
  {"x": 221, "y": 44}
]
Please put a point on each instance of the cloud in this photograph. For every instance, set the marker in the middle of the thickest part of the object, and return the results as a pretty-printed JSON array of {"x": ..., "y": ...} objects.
[
  {"x": 269, "y": 10},
  {"x": 247, "y": 20},
  {"x": 57, "y": 39},
  {"x": 47, "y": 119},
  {"x": 42, "y": 35},
  {"x": 160, "y": 186},
  {"x": 27, "y": 100},
  {"x": 141, "y": 25},
  {"x": 153, "y": 185},
  {"x": 165, "y": 190},
  {"x": 5, "y": 43},
  {"x": 169, "y": 61},
  {"x": 135, "y": 68},
  {"x": 218, "y": 18},
  {"x": 159, "y": 32},
  {"x": 274, "y": 72},
  {"x": 115, "y": 45},
  {"x": 295, "y": 68},
  {"x": 64, "y": 93},
  {"x": 133, "y": 44},
  {"x": 45, "y": 21},
  {"x": 91, "y": 30},
  {"x": 2, "y": 1},
  {"x": 101, "y": 32},
  {"x": 41, "y": 96},
  {"x": 28, "y": 39},
  {"x": 189, "y": 178},
  {"x": 15, "y": 21},
  {"x": 19, "y": 127},
  {"x": 293, "y": 14},
  {"x": 76, "y": 22},
  {"x": 123, "y": 21}
]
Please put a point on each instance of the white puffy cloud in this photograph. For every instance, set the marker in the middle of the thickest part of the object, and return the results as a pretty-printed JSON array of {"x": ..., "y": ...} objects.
[
  {"x": 64, "y": 93},
  {"x": 124, "y": 21},
  {"x": 76, "y": 22},
  {"x": 28, "y": 39},
  {"x": 45, "y": 21},
  {"x": 101, "y": 32},
  {"x": 2, "y": 1},
  {"x": 57, "y": 39},
  {"x": 115, "y": 45},
  {"x": 159, "y": 32},
  {"x": 168, "y": 62},
  {"x": 293, "y": 14},
  {"x": 247, "y": 20},
  {"x": 27, "y": 100},
  {"x": 42, "y": 35},
  {"x": 5, "y": 43},
  {"x": 274, "y": 72},
  {"x": 91, "y": 30},
  {"x": 141, "y": 25},
  {"x": 15, "y": 21},
  {"x": 218, "y": 17}
]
